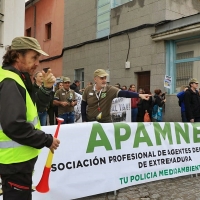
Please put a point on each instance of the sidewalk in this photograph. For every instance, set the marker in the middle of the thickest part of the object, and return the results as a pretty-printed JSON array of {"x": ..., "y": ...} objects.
[{"x": 181, "y": 188}]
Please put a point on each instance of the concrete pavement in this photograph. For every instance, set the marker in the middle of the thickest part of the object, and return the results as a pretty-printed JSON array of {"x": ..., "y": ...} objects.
[{"x": 181, "y": 188}]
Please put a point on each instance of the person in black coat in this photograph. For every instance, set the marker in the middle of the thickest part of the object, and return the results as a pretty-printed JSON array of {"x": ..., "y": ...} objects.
[
  {"x": 144, "y": 105},
  {"x": 75, "y": 86},
  {"x": 158, "y": 104},
  {"x": 192, "y": 101}
]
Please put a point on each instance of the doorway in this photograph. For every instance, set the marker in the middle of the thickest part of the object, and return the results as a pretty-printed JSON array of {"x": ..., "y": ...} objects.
[{"x": 143, "y": 80}]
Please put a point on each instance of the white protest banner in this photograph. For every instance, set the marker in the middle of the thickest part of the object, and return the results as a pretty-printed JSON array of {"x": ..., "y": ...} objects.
[
  {"x": 121, "y": 110},
  {"x": 96, "y": 158}
]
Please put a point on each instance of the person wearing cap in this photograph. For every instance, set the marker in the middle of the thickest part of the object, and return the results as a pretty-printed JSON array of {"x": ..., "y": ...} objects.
[
  {"x": 192, "y": 101},
  {"x": 97, "y": 99},
  {"x": 65, "y": 99},
  {"x": 20, "y": 134}
]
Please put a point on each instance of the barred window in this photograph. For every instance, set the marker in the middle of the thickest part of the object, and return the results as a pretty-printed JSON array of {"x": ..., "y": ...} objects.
[
  {"x": 187, "y": 59},
  {"x": 184, "y": 71}
]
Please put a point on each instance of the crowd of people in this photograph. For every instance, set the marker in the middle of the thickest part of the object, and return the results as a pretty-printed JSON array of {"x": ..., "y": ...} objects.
[
  {"x": 188, "y": 100},
  {"x": 63, "y": 100},
  {"x": 154, "y": 106}
]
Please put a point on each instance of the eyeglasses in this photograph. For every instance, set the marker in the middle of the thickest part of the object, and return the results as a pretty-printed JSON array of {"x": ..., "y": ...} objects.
[{"x": 66, "y": 82}]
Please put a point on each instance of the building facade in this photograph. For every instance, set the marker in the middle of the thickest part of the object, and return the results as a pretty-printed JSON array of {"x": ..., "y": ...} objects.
[
  {"x": 44, "y": 20},
  {"x": 128, "y": 39},
  {"x": 11, "y": 23}
]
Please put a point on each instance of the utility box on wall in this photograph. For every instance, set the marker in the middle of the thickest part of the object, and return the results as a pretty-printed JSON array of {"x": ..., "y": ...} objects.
[{"x": 127, "y": 65}]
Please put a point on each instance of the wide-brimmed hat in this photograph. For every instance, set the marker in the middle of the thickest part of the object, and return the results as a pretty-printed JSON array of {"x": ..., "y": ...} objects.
[{"x": 27, "y": 43}]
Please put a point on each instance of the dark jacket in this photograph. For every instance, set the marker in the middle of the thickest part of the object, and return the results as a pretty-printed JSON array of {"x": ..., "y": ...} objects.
[
  {"x": 42, "y": 104},
  {"x": 158, "y": 101},
  {"x": 74, "y": 87},
  {"x": 192, "y": 104},
  {"x": 144, "y": 105},
  {"x": 13, "y": 118},
  {"x": 148, "y": 105}
]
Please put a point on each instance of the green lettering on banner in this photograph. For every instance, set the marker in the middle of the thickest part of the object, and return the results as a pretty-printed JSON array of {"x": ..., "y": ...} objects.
[
  {"x": 145, "y": 138},
  {"x": 187, "y": 169},
  {"x": 161, "y": 173},
  {"x": 196, "y": 132},
  {"x": 154, "y": 174},
  {"x": 179, "y": 131},
  {"x": 119, "y": 138},
  {"x": 166, "y": 132},
  {"x": 193, "y": 168},
  {"x": 166, "y": 172},
  {"x": 170, "y": 172},
  {"x": 179, "y": 171},
  {"x": 183, "y": 169},
  {"x": 132, "y": 178},
  {"x": 93, "y": 142}
]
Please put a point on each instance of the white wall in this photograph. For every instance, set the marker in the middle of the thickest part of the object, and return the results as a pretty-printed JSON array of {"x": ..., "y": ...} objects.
[{"x": 13, "y": 25}]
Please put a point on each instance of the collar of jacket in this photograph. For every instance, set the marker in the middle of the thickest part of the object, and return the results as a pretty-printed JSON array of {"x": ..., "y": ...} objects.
[{"x": 24, "y": 76}]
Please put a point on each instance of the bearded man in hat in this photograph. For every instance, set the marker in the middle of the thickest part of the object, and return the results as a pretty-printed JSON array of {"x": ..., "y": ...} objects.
[
  {"x": 97, "y": 99},
  {"x": 20, "y": 134},
  {"x": 192, "y": 101}
]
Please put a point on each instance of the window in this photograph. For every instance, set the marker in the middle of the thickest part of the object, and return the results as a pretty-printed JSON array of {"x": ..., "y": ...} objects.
[
  {"x": 116, "y": 3},
  {"x": 103, "y": 15},
  {"x": 48, "y": 31},
  {"x": 79, "y": 75},
  {"x": 184, "y": 71},
  {"x": 28, "y": 32},
  {"x": 182, "y": 61},
  {"x": 103, "y": 18}
]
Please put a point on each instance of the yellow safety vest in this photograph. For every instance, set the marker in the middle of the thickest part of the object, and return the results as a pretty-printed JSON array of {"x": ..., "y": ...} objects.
[{"x": 11, "y": 151}]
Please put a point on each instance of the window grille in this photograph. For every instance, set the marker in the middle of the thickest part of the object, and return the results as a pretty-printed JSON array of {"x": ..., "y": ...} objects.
[{"x": 184, "y": 71}]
